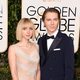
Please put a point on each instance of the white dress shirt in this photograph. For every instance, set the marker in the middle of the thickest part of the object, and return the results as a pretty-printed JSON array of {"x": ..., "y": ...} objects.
[{"x": 49, "y": 41}]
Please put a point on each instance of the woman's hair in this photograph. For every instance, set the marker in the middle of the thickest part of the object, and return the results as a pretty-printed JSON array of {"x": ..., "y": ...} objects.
[{"x": 22, "y": 23}]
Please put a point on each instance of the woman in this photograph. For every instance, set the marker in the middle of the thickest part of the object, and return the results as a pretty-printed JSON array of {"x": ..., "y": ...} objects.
[{"x": 24, "y": 55}]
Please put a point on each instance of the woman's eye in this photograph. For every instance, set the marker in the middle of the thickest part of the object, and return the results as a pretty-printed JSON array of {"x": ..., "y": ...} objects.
[
  {"x": 24, "y": 28},
  {"x": 31, "y": 28}
]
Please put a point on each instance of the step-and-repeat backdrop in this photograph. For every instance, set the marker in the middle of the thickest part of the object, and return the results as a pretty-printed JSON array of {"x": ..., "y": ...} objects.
[
  {"x": 33, "y": 9},
  {"x": 3, "y": 25},
  {"x": 70, "y": 16}
]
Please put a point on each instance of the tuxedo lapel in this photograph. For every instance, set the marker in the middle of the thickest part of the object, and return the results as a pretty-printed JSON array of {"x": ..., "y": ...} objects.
[{"x": 55, "y": 42}]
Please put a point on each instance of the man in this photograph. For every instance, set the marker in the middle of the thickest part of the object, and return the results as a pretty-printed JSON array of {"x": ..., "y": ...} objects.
[{"x": 56, "y": 52}]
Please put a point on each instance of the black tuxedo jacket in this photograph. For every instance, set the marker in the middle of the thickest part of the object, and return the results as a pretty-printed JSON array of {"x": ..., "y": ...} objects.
[{"x": 58, "y": 62}]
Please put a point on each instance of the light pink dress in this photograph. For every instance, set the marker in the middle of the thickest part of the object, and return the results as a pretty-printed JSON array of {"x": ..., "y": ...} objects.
[{"x": 26, "y": 64}]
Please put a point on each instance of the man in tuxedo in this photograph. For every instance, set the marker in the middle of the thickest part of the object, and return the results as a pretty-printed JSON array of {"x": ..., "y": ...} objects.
[{"x": 56, "y": 49}]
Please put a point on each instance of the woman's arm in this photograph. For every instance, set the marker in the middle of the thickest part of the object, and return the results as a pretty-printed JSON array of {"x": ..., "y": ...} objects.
[
  {"x": 38, "y": 73},
  {"x": 12, "y": 62}
]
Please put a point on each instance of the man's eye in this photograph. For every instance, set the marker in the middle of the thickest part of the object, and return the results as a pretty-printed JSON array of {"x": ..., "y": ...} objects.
[{"x": 48, "y": 19}]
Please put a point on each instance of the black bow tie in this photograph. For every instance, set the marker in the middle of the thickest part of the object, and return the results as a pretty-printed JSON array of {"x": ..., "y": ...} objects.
[{"x": 48, "y": 37}]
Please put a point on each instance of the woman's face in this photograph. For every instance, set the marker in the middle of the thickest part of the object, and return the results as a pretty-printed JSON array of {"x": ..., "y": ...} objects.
[{"x": 27, "y": 31}]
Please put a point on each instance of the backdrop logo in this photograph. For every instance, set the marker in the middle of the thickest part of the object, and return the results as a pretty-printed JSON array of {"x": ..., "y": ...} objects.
[{"x": 70, "y": 16}]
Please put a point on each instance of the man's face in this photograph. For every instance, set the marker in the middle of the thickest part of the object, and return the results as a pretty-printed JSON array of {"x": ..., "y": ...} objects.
[{"x": 51, "y": 22}]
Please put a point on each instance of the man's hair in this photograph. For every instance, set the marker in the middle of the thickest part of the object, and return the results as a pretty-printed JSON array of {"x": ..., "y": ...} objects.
[{"x": 50, "y": 10}]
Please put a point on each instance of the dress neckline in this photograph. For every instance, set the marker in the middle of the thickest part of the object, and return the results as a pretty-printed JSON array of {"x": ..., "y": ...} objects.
[{"x": 27, "y": 53}]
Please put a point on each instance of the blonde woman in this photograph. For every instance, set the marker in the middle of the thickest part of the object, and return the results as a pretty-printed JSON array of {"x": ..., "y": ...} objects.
[{"x": 24, "y": 55}]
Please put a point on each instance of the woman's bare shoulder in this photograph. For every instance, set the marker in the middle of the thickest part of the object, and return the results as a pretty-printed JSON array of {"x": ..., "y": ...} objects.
[{"x": 12, "y": 47}]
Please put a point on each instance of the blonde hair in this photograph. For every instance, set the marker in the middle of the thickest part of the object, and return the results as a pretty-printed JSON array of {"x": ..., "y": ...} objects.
[{"x": 21, "y": 24}]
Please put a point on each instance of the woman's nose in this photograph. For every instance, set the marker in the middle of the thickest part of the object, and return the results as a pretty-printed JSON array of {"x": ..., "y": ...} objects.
[{"x": 27, "y": 31}]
